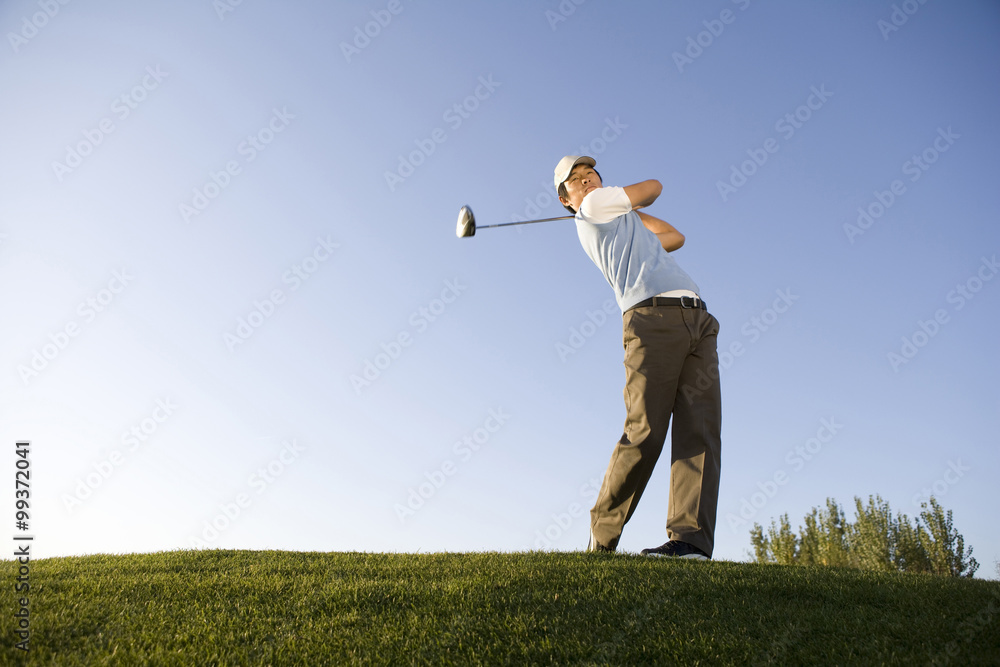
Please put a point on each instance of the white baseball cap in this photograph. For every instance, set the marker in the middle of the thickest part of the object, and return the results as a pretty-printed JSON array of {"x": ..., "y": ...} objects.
[{"x": 566, "y": 165}]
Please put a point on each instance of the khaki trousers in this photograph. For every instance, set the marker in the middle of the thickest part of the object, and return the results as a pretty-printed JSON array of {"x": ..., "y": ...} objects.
[{"x": 671, "y": 369}]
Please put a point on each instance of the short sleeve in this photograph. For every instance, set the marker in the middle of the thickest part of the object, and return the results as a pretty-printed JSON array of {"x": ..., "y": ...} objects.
[{"x": 604, "y": 205}]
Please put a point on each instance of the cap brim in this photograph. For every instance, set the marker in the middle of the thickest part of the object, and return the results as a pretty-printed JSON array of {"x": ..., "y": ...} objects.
[{"x": 583, "y": 159}]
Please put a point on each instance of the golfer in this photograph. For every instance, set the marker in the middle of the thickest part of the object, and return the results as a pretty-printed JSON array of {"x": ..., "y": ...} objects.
[{"x": 671, "y": 363}]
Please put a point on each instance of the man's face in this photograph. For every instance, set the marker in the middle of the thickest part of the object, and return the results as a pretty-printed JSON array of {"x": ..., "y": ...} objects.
[{"x": 582, "y": 181}]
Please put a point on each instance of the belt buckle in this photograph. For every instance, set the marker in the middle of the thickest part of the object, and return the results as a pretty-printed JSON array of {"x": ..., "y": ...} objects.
[{"x": 691, "y": 299}]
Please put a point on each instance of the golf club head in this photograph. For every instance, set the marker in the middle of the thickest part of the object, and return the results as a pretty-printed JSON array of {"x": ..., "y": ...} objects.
[{"x": 466, "y": 223}]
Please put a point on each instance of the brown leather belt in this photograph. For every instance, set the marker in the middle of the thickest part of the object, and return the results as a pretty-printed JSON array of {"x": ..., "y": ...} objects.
[{"x": 682, "y": 301}]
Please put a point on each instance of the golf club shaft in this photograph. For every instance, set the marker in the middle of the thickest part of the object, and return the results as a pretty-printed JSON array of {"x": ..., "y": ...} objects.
[{"x": 525, "y": 222}]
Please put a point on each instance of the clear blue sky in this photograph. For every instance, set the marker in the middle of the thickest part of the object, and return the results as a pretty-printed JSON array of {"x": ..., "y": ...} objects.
[{"x": 232, "y": 292}]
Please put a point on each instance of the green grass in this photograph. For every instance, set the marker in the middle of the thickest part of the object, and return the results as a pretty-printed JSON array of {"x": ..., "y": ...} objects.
[{"x": 267, "y": 607}]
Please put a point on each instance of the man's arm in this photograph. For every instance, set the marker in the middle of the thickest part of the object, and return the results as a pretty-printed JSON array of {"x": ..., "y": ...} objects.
[
  {"x": 643, "y": 194},
  {"x": 670, "y": 238}
]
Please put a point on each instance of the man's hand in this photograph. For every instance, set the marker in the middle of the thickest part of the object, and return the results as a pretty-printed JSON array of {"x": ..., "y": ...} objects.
[
  {"x": 643, "y": 194},
  {"x": 670, "y": 238}
]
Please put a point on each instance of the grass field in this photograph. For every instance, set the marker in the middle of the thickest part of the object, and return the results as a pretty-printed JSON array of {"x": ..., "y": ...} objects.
[{"x": 287, "y": 608}]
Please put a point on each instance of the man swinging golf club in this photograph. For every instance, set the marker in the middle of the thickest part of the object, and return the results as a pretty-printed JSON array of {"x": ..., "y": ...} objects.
[{"x": 670, "y": 355}]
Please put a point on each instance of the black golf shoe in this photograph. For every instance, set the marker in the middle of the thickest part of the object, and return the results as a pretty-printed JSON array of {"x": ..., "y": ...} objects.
[{"x": 676, "y": 549}]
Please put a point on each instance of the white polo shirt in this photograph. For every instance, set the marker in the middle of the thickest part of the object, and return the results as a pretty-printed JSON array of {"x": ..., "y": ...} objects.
[{"x": 625, "y": 250}]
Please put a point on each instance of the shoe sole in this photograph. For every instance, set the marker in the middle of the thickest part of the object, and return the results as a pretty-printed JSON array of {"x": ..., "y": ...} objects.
[{"x": 687, "y": 557}]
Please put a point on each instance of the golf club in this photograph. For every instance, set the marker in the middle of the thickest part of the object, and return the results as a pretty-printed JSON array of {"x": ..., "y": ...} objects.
[{"x": 467, "y": 222}]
